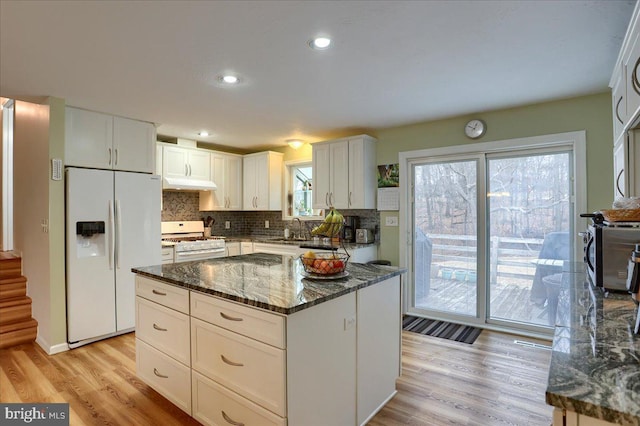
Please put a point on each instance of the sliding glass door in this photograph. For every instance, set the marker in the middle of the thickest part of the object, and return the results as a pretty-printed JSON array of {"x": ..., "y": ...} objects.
[
  {"x": 446, "y": 244},
  {"x": 529, "y": 208},
  {"x": 490, "y": 235}
]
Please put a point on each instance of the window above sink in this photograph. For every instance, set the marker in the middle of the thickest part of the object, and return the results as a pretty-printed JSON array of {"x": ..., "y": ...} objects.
[{"x": 298, "y": 188}]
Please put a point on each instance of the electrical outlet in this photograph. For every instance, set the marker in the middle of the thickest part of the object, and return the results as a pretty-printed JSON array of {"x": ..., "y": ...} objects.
[
  {"x": 349, "y": 322},
  {"x": 227, "y": 225},
  {"x": 391, "y": 221},
  {"x": 266, "y": 223}
]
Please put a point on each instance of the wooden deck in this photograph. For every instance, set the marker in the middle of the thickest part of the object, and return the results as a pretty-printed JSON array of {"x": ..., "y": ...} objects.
[{"x": 509, "y": 300}]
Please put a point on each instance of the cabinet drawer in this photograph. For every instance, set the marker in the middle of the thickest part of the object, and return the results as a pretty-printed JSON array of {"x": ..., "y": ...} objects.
[
  {"x": 170, "y": 296},
  {"x": 254, "y": 323},
  {"x": 164, "y": 374},
  {"x": 252, "y": 369},
  {"x": 163, "y": 328},
  {"x": 167, "y": 254},
  {"x": 214, "y": 404}
]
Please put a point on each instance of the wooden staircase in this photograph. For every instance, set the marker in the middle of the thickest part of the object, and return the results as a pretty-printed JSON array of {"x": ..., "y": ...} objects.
[{"x": 16, "y": 324}]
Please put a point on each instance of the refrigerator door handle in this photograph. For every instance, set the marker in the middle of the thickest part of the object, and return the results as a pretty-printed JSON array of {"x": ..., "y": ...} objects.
[
  {"x": 118, "y": 232},
  {"x": 112, "y": 235}
]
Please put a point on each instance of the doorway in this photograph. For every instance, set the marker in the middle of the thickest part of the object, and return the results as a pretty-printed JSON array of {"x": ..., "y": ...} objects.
[{"x": 489, "y": 230}]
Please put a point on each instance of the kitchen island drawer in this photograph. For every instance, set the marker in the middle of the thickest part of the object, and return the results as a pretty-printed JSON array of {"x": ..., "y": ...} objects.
[
  {"x": 167, "y": 295},
  {"x": 163, "y": 328},
  {"x": 252, "y": 369},
  {"x": 214, "y": 404},
  {"x": 164, "y": 374},
  {"x": 256, "y": 324}
]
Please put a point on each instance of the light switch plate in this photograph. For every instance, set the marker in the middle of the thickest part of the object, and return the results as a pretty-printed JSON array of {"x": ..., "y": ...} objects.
[
  {"x": 266, "y": 223},
  {"x": 391, "y": 221},
  {"x": 227, "y": 225}
]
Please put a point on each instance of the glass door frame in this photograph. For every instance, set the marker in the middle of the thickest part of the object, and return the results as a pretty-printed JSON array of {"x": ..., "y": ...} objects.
[
  {"x": 481, "y": 303},
  {"x": 574, "y": 141}
]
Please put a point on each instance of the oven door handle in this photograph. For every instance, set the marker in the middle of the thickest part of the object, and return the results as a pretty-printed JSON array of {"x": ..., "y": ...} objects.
[{"x": 586, "y": 254}]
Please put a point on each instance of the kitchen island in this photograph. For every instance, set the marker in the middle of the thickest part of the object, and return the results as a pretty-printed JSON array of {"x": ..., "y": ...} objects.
[
  {"x": 249, "y": 339},
  {"x": 594, "y": 374}
]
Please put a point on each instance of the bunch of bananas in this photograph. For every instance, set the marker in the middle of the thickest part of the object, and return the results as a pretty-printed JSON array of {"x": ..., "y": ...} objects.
[{"x": 331, "y": 226}]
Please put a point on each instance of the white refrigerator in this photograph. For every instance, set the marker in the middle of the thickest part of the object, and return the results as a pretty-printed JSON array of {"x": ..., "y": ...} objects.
[{"x": 112, "y": 225}]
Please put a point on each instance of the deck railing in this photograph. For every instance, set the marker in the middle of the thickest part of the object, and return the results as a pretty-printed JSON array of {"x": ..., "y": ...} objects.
[{"x": 509, "y": 257}]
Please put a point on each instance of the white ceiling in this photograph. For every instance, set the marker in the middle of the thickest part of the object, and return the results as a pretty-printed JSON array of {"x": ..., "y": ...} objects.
[{"x": 392, "y": 62}]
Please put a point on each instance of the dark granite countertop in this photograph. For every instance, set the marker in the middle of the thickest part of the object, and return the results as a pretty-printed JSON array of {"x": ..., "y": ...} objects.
[
  {"x": 595, "y": 363},
  {"x": 273, "y": 282},
  {"x": 296, "y": 242}
]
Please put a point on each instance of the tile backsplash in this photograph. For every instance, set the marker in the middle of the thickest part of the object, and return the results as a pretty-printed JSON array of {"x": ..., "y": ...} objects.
[{"x": 184, "y": 205}]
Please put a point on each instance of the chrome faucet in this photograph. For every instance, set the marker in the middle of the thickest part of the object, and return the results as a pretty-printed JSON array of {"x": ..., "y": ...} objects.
[{"x": 300, "y": 234}]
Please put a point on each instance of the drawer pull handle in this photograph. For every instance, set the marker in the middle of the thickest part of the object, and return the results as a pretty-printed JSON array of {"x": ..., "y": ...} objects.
[
  {"x": 158, "y": 328},
  {"x": 227, "y": 317},
  {"x": 226, "y": 361},
  {"x": 159, "y": 293},
  {"x": 155, "y": 371},
  {"x": 231, "y": 422}
]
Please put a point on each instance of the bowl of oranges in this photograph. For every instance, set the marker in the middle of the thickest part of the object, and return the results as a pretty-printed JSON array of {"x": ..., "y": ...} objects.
[{"x": 324, "y": 263}]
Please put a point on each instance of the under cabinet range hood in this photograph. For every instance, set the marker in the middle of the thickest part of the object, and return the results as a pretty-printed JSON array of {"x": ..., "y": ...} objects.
[{"x": 185, "y": 184}]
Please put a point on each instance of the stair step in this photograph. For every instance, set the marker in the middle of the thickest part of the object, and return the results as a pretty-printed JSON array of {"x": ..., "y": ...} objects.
[
  {"x": 13, "y": 287},
  {"x": 15, "y": 309},
  {"x": 17, "y": 333},
  {"x": 10, "y": 264}
]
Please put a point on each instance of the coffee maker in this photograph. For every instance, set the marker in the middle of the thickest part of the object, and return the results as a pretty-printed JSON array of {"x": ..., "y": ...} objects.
[{"x": 349, "y": 229}]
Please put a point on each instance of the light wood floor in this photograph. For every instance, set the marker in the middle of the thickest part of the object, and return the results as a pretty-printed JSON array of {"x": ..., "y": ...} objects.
[{"x": 492, "y": 382}]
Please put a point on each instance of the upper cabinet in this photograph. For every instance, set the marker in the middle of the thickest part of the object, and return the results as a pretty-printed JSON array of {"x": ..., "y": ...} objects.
[
  {"x": 626, "y": 165},
  {"x": 625, "y": 97},
  {"x": 262, "y": 181},
  {"x": 226, "y": 172},
  {"x": 344, "y": 173},
  {"x": 102, "y": 141},
  {"x": 179, "y": 162}
]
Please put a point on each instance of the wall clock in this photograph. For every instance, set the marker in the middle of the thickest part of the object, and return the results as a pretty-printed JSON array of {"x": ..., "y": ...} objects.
[{"x": 475, "y": 128}]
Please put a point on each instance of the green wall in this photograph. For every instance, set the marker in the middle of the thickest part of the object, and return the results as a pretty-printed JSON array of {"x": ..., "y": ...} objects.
[{"x": 590, "y": 113}]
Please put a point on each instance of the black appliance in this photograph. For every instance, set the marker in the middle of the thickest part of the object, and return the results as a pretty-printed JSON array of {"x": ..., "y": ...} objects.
[{"x": 349, "y": 229}]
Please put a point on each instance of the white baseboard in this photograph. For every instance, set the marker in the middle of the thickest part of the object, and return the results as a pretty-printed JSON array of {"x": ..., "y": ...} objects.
[{"x": 51, "y": 350}]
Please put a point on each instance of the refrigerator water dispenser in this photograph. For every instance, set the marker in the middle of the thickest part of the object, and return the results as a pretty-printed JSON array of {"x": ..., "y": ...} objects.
[{"x": 90, "y": 239}]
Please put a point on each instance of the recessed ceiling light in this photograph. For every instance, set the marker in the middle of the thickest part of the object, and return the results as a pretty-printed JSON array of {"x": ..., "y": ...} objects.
[
  {"x": 320, "y": 43},
  {"x": 229, "y": 79},
  {"x": 203, "y": 133}
]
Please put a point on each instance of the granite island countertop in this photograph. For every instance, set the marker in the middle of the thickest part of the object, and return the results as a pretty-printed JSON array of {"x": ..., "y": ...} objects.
[
  {"x": 595, "y": 363},
  {"x": 268, "y": 281}
]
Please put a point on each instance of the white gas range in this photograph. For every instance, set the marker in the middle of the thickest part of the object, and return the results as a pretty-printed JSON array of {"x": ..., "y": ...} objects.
[{"x": 189, "y": 242}]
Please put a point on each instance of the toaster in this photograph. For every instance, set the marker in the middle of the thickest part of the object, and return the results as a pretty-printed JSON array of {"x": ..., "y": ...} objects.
[{"x": 364, "y": 236}]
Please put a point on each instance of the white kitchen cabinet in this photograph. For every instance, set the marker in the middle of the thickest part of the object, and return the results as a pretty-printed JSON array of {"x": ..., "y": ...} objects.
[
  {"x": 226, "y": 173},
  {"x": 344, "y": 173},
  {"x": 103, "y": 141},
  {"x": 262, "y": 181},
  {"x": 167, "y": 254},
  {"x": 571, "y": 418},
  {"x": 189, "y": 163},
  {"x": 233, "y": 249},
  {"x": 626, "y": 165},
  {"x": 252, "y": 366},
  {"x": 163, "y": 351},
  {"x": 246, "y": 247}
]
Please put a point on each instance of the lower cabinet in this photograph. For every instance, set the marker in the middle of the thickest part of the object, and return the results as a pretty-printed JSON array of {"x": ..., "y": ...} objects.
[
  {"x": 214, "y": 404},
  {"x": 571, "y": 418},
  {"x": 233, "y": 249},
  {"x": 334, "y": 363}
]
